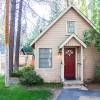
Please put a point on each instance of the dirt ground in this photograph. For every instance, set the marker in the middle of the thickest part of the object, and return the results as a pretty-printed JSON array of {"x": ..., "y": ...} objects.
[{"x": 92, "y": 86}]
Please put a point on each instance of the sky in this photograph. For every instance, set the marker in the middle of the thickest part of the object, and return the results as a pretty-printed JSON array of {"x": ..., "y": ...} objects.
[{"x": 42, "y": 10}]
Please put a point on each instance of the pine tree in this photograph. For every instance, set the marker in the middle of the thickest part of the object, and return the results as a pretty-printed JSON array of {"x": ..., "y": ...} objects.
[
  {"x": 83, "y": 7},
  {"x": 98, "y": 15},
  {"x": 11, "y": 35},
  {"x": 18, "y": 35}
]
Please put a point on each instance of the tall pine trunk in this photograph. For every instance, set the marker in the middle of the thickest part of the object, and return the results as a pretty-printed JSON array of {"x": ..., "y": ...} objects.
[
  {"x": 18, "y": 35},
  {"x": 11, "y": 35},
  {"x": 7, "y": 79}
]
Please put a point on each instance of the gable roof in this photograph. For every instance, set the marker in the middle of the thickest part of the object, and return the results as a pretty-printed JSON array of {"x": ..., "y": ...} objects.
[
  {"x": 69, "y": 38},
  {"x": 62, "y": 14}
]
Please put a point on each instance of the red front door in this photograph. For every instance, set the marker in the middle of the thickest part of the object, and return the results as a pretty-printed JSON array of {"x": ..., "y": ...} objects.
[{"x": 69, "y": 63}]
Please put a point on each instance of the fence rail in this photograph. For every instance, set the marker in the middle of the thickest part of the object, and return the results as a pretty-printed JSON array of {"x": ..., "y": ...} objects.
[{"x": 23, "y": 59}]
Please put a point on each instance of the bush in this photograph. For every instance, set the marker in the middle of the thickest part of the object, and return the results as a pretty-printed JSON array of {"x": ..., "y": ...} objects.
[
  {"x": 97, "y": 75},
  {"x": 18, "y": 73},
  {"x": 29, "y": 77}
]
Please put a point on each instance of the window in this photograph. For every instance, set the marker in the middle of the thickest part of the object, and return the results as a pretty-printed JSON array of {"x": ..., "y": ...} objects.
[
  {"x": 71, "y": 27},
  {"x": 45, "y": 57}
]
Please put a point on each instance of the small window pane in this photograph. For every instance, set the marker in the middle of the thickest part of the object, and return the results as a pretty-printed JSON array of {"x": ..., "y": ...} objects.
[
  {"x": 71, "y": 27},
  {"x": 44, "y": 55},
  {"x": 45, "y": 58}
]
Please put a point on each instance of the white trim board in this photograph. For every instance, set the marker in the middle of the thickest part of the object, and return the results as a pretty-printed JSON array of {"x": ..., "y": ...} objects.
[
  {"x": 62, "y": 14},
  {"x": 70, "y": 37}
]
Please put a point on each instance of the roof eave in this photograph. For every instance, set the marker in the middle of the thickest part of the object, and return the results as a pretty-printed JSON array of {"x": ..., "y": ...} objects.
[{"x": 70, "y": 37}]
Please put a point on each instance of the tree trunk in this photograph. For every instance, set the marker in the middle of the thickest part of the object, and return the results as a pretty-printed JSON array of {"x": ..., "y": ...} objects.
[
  {"x": 68, "y": 3},
  {"x": 11, "y": 35},
  {"x": 18, "y": 35},
  {"x": 7, "y": 78}
]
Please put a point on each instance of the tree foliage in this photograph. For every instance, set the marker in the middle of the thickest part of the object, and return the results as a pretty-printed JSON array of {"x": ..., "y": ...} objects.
[
  {"x": 42, "y": 23},
  {"x": 92, "y": 10},
  {"x": 83, "y": 7},
  {"x": 91, "y": 36},
  {"x": 55, "y": 9}
]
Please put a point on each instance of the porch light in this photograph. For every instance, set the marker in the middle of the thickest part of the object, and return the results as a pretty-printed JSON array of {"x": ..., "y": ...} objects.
[{"x": 60, "y": 52}]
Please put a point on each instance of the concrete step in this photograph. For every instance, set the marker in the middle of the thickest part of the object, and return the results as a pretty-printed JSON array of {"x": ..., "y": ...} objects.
[
  {"x": 81, "y": 87},
  {"x": 73, "y": 83}
]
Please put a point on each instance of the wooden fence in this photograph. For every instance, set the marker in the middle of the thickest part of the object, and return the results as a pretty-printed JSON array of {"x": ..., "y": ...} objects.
[{"x": 23, "y": 59}]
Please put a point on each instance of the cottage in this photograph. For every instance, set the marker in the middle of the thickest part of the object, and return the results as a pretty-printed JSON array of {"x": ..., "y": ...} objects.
[{"x": 60, "y": 53}]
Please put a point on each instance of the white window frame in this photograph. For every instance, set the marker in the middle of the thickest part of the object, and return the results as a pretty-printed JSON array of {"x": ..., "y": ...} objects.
[{"x": 67, "y": 27}]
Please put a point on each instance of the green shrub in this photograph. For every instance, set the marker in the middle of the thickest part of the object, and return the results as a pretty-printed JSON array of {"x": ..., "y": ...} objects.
[
  {"x": 29, "y": 77},
  {"x": 18, "y": 73},
  {"x": 26, "y": 68},
  {"x": 97, "y": 75}
]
